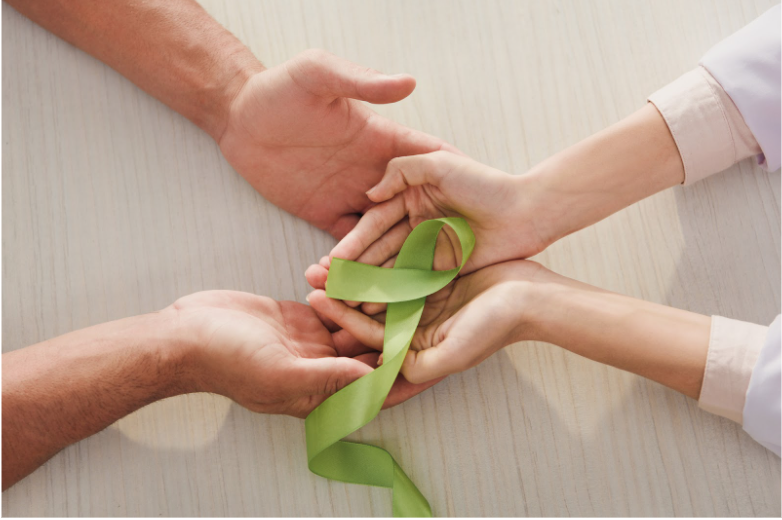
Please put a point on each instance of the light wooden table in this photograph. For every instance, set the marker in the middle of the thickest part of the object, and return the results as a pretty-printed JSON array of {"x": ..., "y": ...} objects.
[{"x": 114, "y": 206}]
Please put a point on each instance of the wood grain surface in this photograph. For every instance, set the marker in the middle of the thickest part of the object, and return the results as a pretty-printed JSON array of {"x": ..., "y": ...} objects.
[{"x": 113, "y": 205}]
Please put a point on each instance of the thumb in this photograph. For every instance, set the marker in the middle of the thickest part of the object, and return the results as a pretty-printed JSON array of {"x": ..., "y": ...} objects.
[
  {"x": 425, "y": 365},
  {"x": 327, "y": 75},
  {"x": 411, "y": 170},
  {"x": 318, "y": 376}
]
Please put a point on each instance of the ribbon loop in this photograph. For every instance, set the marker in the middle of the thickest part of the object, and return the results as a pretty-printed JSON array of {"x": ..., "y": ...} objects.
[{"x": 405, "y": 288}]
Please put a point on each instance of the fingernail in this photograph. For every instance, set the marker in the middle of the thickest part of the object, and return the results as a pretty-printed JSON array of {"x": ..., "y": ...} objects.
[
  {"x": 380, "y": 359},
  {"x": 307, "y": 298},
  {"x": 370, "y": 190}
]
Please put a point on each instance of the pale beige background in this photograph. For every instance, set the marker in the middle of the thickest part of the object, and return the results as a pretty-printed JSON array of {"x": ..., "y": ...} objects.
[{"x": 113, "y": 206}]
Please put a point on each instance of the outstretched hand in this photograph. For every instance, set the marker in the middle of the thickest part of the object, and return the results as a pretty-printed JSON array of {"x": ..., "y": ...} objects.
[
  {"x": 300, "y": 135},
  {"x": 462, "y": 324},
  {"x": 272, "y": 357}
]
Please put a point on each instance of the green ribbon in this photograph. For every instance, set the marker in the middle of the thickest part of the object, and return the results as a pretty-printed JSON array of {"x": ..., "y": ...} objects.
[{"x": 405, "y": 288}]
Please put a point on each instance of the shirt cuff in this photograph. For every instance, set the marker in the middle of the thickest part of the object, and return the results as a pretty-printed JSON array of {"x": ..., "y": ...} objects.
[
  {"x": 734, "y": 347},
  {"x": 707, "y": 127}
]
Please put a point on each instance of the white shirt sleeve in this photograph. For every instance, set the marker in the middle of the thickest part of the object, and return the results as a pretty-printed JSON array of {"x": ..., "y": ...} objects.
[
  {"x": 747, "y": 65},
  {"x": 762, "y": 407}
]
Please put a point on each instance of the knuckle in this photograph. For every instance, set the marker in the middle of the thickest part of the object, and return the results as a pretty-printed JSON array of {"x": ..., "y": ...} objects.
[
  {"x": 385, "y": 249},
  {"x": 314, "y": 55},
  {"x": 438, "y": 159},
  {"x": 395, "y": 164},
  {"x": 372, "y": 223}
]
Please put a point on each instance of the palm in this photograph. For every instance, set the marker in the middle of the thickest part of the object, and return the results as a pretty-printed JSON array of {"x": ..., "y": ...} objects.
[
  {"x": 312, "y": 151},
  {"x": 487, "y": 220},
  {"x": 275, "y": 357},
  {"x": 252, "y": 345},
  {"x": 457, "y": 316},
  {"x": 461, "y": 325}
]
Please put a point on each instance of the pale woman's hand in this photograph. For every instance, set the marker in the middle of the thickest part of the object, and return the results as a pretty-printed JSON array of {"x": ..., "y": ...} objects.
[
  {"x": 442, "y": 184},
  {"x": 463, "y": 324},
  {"x": 480, "y": 313}
]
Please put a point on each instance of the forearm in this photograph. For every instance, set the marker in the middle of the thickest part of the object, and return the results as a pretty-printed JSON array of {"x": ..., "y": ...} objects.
[
  {"x": 602, "y": 174},
  {"x": 65, "y": 389},
  {"x": 172, "y": 49},
  {"x": 660, "y": 343}
]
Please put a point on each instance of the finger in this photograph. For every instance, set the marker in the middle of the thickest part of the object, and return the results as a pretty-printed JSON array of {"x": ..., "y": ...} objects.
[
  {"x": 387, "y": 245},
  {"x": 413, "y": 170},
  {"x": 348, "y": 346},
  {"x": 362, "y": 327},
  {"x": 370, "y": 358},
  {"x": 373, "y": 308},
  {"x": 328, "y": 323},
  {"x": 343, "y": 225},
  {"x": 330, "y": 76},
  {"x": 326, "y": 375},
  {"x": 402, "y": 390},
  {"x": 316, "y": 276},
  {"x": 373, "y": 225},
  {"x": 414, "y": 142},
  {"x": 425, "y": 365}
]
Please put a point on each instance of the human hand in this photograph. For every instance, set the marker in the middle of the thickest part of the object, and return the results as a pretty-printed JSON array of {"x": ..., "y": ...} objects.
[
  {"x": 462, "y": 324},
  {"x": 269, "y": 356},
  {"x": 442, "y": 184},
  {"x": 301, "y": 138},
  {"x": 476, "y": 315}
]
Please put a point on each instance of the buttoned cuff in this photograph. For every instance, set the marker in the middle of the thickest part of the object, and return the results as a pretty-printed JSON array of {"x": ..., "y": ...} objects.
[
  {"x": 734, "y": 347},
  {"x": 707, "y": 127}
]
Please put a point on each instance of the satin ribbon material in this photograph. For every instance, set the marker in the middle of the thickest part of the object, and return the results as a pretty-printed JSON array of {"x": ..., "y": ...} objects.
[{"x": 405, "y": 288}]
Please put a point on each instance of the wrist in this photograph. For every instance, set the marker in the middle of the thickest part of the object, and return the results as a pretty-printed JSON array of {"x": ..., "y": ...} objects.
[
  {"x": 173, "y": 346},
  {"x": 213, "y": 115},
  {"x": 601, "y": 175},
  {"x": 539, "y": 207},
  {"x": 543, "y": 310}
]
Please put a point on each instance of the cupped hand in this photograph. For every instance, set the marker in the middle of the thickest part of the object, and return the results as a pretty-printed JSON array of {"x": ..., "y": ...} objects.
[
  {"x": 442, "y": 184},
  {"x": 300, "y": 135},
  {"x": 269, "y": 356},
  {"x": 462, "y": 324}
]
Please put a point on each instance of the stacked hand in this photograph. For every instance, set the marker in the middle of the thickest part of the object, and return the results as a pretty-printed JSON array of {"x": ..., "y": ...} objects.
[
  {"x": 462, "y": 324},
  {"x": 454, "y": 332},
  {"x": 497, "y": 299}
]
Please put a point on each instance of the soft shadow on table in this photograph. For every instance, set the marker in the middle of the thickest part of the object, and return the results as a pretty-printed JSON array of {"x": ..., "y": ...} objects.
[
  {"x": 509, "y": 425},
  {"x": 512, "y": 414},
  {"x": 737, "y": 275}
]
